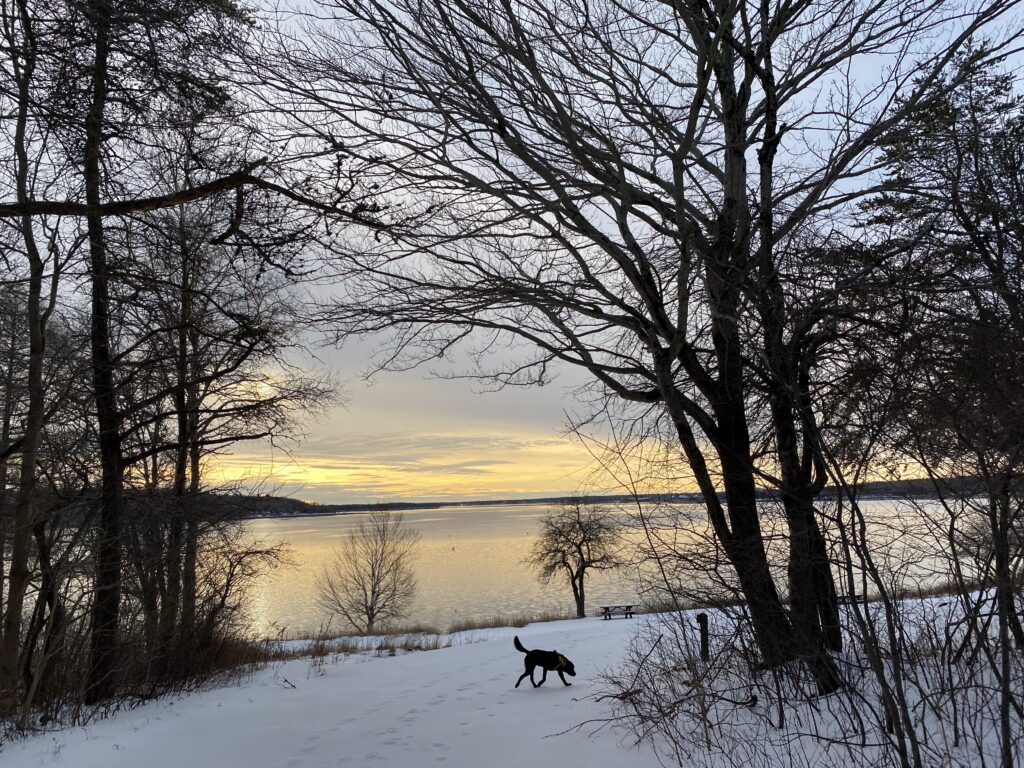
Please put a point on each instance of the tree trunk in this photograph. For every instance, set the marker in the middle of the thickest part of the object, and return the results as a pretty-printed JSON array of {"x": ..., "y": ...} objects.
[
  {"x": 826, "y": 597},
  {"x": 148, "y": 597},
  {"x": 171, "y": 608},
  {"x": 999, "y": 521},
  {"x": 189, "y": 585},
  {"x": 49, "y": 616},
  {"x": 1002, "y": 531},
  {"x": 170, "y": 605},
  {"x": 812, "y": 591},
  {"x": 744, "y": 546},
  {"x": 812, "y": 588},
  {"x": 22, "y": 529},
  {"x": 579, "y": 592},
  {"x": 188, "y": 603},
  {"x": 741, "y": 537},
  {"x": 23, "y": 509},
  {"x": 740, "y": 534},
  {"x": 106, "y": 603},
  {"x": 5, "y": 437},
  {"x": 3, "y": 538}
]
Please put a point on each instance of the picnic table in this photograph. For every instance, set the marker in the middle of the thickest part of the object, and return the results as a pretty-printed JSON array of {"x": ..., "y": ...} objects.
[{"x": 617, "y": 610}]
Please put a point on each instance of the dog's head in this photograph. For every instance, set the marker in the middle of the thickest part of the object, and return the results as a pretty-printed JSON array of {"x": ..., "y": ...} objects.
[{"x": 565, "y": 665}]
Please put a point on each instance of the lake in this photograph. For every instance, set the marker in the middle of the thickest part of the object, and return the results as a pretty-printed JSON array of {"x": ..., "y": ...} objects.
[
  {"x": 469, "y": 565},
  {"x": 469, "y": 562}
]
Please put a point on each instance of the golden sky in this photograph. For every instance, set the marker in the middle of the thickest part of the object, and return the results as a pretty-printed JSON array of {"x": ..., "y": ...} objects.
[
  {"x": 415, "y": 467},
  {"x": 413, "y": 437}
]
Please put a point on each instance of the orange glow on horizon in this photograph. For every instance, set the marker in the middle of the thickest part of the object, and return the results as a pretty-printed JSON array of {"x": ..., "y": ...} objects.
[
  {"x": 440, "y": 467},
  {"x": 525, "y": 466}
]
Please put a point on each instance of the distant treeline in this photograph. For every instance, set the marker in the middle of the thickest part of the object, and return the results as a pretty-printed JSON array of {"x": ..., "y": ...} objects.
[{"x": 280, "y": 506}]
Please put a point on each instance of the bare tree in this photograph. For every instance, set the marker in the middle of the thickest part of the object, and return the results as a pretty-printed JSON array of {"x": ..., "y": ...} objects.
[
  {"x": 39, "y": 241},
  {"x": 370, "y": 578},
  {"x": 957, "y": 194},
  {"x": 579, "y": 537},
  {"x": 625, "y": 186},
  {"x": 100, "y": 94}
]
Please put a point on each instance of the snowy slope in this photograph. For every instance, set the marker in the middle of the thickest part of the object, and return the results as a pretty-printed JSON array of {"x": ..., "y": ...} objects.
[{"x": 455, "y": 707}]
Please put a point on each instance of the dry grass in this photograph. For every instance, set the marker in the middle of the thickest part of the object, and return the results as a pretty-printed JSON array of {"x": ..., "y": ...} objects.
[
  {"x": 420, "y": 630},
  {"x": 951, "y": 588},
  {"x": 689, "y": 604},
  {"x": 385, "y": 645},
  {"x": 328, "y": 644},
  {"x": 384, "y": 631},
  {"x": 493, "y": 622}
]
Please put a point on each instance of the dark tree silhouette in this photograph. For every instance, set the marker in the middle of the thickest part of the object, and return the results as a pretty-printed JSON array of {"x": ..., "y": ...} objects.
[{"x": 579, "y": 537}]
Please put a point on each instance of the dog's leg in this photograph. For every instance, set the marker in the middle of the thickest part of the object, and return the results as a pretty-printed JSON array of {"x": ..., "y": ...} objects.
[
  {"x": 527, "y": 672},
  {"x": 543, "y": 677},
  {"x": 563, "y": 678}
]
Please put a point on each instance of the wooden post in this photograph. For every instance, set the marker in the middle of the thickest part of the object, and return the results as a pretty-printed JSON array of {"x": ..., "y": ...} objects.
[{"x": 705, "y": 650}]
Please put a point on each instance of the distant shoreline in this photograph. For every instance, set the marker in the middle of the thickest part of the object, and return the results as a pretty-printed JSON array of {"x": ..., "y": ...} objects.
[{"x": 283, "y": 507}]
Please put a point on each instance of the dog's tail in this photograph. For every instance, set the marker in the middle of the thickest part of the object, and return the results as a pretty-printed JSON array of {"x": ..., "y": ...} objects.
[{"x": 519, "y": 646}]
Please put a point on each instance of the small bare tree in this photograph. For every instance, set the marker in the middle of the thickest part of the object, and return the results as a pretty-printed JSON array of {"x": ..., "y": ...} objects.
[
  {"x": 577, "y": 538},
  {"x": 370, "y": 579}
]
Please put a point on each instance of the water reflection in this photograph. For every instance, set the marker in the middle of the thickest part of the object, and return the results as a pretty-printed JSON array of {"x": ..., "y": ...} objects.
[
  {"x": 468, "y": 566},
  {"x": 470, "y": 560}
]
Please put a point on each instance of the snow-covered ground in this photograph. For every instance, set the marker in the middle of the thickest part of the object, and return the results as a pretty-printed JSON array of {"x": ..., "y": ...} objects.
[
  {"x": 457, "y": 707},
  {"x": 451, "y": 707}
]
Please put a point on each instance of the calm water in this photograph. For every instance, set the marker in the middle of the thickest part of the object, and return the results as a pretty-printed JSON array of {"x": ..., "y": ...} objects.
[
  {"x": 468, "y": 566},
  {"x": 469, "y": 562}
]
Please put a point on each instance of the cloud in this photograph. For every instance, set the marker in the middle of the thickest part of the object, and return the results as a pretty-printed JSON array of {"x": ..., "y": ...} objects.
[
  {"x": 415, "y": 447},
  {"x": 433, "y": 466}
]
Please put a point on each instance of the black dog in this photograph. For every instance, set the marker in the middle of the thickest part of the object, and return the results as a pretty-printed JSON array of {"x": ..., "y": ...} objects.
[{"x": 547, "y": 661}]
